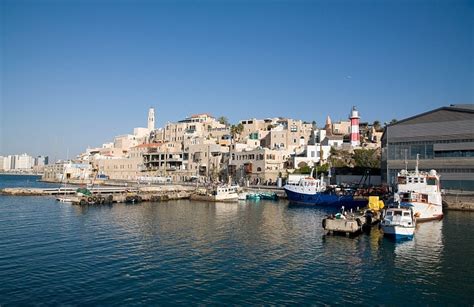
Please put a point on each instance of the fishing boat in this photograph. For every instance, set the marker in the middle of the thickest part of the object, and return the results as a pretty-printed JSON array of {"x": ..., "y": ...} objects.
[
  {"x": 224, "y": 193},
  {"x": 421, "y": 191},
  {"x": 399, "y": 223},
  {"x": 315, "y": 192}
]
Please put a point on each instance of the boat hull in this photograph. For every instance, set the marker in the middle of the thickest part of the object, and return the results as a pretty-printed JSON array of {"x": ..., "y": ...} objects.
[
  {"x": 425, "y": 211},
  {"x": 326, "y": 199},
  {"x": 398, "y": 232}
]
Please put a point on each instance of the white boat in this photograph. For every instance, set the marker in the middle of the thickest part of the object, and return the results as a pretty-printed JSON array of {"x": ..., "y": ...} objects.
[
  {"x": 399, "y": 223},
  {"x": 222, "y": 193},
  {"x": 421, "y": 191},
  {"x": 65, "y": 200},
  {"x": 243, "y": 196}
]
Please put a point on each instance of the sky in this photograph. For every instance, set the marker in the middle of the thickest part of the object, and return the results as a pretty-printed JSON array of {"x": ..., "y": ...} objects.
[{"x": 77, "y": 73}]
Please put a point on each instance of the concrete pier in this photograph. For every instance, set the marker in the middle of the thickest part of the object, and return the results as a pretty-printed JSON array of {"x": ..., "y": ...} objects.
[{"x": 459, "y": 201}]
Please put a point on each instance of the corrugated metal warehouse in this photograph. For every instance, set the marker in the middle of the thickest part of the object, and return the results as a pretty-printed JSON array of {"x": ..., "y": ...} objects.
[{"x": 444, "y": 140}]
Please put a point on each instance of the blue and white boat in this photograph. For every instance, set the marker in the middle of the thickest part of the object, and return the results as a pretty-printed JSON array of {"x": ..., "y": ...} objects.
[
  {"x": 399, "y": 223},
  {"x": 315, "y": 192}
]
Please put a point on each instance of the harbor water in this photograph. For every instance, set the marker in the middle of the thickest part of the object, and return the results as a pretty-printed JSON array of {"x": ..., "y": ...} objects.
[{"x": 183, "y": 252}]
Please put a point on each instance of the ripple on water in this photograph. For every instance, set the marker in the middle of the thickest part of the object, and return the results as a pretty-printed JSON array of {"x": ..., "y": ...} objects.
[{"x": 184, "y": 252}]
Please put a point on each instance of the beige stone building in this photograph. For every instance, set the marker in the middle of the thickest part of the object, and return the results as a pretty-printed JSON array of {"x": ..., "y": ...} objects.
[
  {"x": 198, "y": 125},
  {"x": 342, "y": 127},
  {"x": 258, "y": 165},
  {"x": 253, "y": 127},
  {"x": 119, "y": 168},
  {"x": 288, "y": 134}
]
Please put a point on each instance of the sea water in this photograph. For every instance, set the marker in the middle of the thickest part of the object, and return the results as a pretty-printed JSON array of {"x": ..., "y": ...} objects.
[{"x": 183, "y": 252}]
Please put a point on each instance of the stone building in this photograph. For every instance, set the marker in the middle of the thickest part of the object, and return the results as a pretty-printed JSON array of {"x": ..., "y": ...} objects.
[{"x": 258, "y": 165}]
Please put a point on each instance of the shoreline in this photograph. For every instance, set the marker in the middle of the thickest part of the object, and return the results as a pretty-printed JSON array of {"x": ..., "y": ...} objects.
[
  {"x": 451, "y": 202},
  {"x": 21, "y": 174}
]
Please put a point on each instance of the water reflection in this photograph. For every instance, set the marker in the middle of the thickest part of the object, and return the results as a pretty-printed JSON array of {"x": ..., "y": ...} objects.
[
  {"x": 425, "y": 250},
  {"x": 265, "y": 252}
]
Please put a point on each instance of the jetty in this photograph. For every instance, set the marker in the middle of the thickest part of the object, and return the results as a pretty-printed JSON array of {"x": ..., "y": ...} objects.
[
  {"x": 105, "y": 195},
  {"x": 63, "y": 191}
]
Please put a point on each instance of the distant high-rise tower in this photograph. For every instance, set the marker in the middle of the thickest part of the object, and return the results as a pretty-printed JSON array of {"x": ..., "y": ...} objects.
[
  {"x": 355, "y": 136},
  {"x": 151, "y": 119}
]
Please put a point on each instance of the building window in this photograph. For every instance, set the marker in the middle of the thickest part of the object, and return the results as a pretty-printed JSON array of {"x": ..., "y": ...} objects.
[{"x": 454, "y": 154}]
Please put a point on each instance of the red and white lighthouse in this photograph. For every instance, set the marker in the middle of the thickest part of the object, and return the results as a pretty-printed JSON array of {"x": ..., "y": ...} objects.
[{"x": 355, "y": 136}]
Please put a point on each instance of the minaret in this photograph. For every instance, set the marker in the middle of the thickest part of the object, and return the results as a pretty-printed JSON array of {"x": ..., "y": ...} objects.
[
  {"x": 328, "y": 126},
  {"x": 151, "y": 119},
  {"x": 355, "y": 136}
]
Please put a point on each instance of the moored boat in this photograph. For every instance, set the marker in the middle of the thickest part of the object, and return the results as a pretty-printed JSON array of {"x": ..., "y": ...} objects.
[
  {"x": 224, "y": 193},
  {"x": 253, "y": 196},
  {"x": 399, "y": 223},
  {"x": 315, "y": 192},
  {"x": 268, "y": 195},
  {"x": 421, "y": 191}
]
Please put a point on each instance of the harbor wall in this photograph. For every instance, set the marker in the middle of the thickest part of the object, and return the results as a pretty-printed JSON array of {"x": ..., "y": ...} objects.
[{"x": 459, "y": 201}]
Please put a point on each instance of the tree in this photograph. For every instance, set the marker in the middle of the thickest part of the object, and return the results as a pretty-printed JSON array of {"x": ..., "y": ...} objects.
[
  {"x": 223, "y": 120},
  {"x": 322, "y": 168},
  {"x": 303, "y": 170},
  {"x": 367, "y": 158},
  {"x": 341, "y": 158},
  {"x": 236, "y": 129},
  {"x": 377, "y": 125}
]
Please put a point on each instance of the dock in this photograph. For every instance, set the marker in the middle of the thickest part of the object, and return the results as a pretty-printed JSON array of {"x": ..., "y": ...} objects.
[
  {"x": 64, "y": 191},
  {"x": 351, "y": 223},
  {"x": 107, "y": 195}
]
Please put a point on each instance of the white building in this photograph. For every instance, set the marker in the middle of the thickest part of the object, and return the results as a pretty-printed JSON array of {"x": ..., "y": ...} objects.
[
  {"x": 24, "y": 162},
  {"x": 4, "y": 163}
]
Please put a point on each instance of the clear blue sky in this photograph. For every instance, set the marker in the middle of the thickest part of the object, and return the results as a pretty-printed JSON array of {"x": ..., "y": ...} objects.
[{"x": 77, "y": 73}]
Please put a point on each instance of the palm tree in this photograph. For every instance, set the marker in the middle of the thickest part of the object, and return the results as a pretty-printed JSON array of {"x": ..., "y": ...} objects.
[
  {"x": 223, "y": 120},
  {"x": 376, "y": 125}
]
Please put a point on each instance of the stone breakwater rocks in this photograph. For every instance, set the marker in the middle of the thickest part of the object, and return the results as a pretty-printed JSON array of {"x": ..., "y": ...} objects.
[
  {"x": 164, "y": 193},
  {"x": 22, "y": 192}
]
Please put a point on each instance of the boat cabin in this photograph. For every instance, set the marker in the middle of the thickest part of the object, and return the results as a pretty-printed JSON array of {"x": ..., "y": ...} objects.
[{"x": 401, "y": 215}]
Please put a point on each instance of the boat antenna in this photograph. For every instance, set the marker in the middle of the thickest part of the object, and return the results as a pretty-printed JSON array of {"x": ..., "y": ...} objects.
[
  {"x": 311, "y": 174},
  {"x": 417, "y": 160}
]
